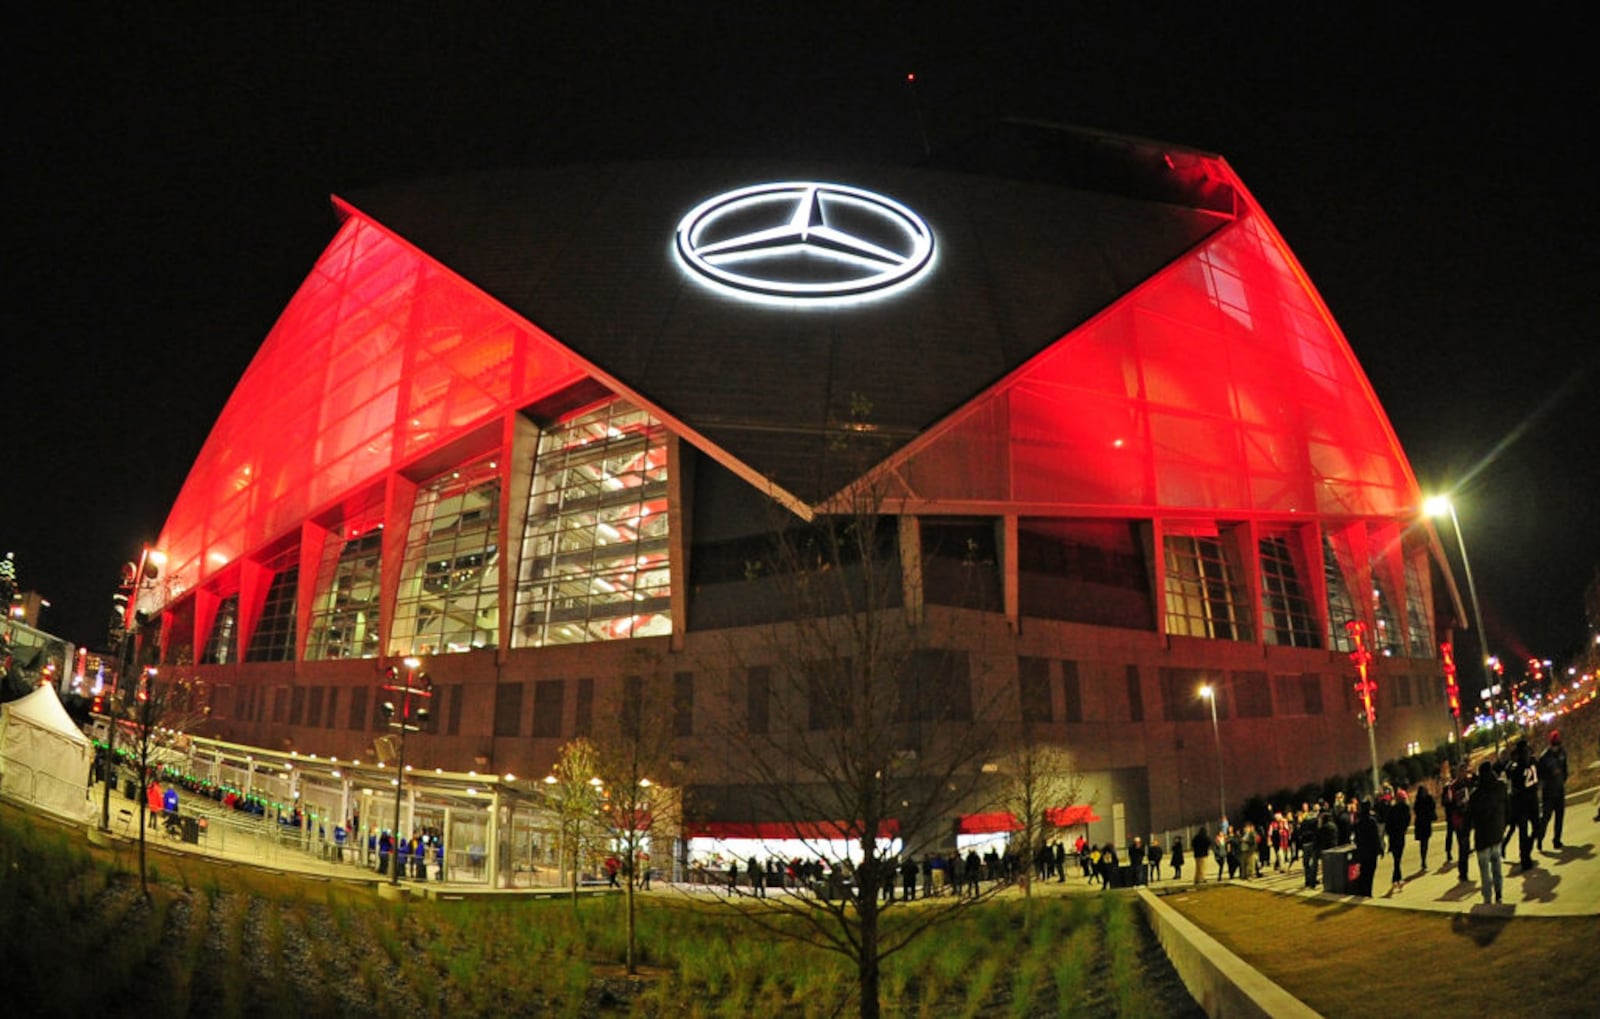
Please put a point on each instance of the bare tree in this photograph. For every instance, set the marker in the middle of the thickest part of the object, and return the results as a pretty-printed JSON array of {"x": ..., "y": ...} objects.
[
  {"x": 1038, "y": 780},
  {"x": 635, "y": 761},
  {"x": 852, "y": 724},
  {"x": 162, "y": 712}
]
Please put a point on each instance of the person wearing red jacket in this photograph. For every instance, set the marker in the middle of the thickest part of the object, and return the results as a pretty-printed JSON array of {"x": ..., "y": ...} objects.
[{"x": 155, "y": 800}]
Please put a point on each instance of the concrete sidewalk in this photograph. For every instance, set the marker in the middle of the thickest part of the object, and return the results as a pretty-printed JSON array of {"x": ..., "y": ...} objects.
[{"x": 1563, "y": 882}]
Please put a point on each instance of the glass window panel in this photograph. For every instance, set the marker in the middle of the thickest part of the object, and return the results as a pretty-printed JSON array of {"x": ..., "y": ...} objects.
[
  {"x": 345, "y": 618},
  {"x": 1286, "y": 616},
  {"x": 273, "y": 638},
  {"x": 449, "y": 597},
  {"x": 1206, "y": 596},
  {"x": 221, "y": 645},
  {"x": 1341, "y": 607},
  {"x": 1419, "y": 628}
]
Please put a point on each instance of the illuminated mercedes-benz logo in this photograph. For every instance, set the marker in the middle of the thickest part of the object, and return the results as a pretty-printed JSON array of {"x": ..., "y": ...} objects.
[{"x": 803, "y": 242}]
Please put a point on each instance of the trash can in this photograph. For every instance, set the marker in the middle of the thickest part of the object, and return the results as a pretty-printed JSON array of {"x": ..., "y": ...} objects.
[
  {"x": 191, "y": 830},
  {"x": 1336, "y": 869}
]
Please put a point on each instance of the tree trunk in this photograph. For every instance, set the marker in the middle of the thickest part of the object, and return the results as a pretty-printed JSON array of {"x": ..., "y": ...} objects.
[
  {"x": 144, "y": 884},
  {"x": 633, "y": 966},
  {"x": 867, "y": 966}
]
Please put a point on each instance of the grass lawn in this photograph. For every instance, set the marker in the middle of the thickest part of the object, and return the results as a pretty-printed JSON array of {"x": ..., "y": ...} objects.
[
  {"x": 216, "y": 940},
  {"x": 1348, "y": 960}
]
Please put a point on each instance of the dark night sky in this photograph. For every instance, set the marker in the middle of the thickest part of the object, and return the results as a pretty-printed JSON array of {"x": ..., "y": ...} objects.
[{"x": 168, "y": 169}]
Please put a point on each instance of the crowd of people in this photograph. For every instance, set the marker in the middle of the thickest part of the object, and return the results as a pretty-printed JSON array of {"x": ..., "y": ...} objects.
[{"x": 1518, "y": 796}]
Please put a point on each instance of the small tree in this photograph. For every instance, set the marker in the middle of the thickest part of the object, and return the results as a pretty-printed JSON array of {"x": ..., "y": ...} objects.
[
  {"x": 634, "y": 757},
  {"x": 162, "y": 711},
  {"x": 573, "y": 795},
  {"x": 1038, "y": 779}
]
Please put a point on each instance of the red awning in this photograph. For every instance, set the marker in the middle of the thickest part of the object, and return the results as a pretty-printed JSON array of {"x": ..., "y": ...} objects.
[
  {"x": 775, "y": 831},
  {"x": 987, "y": 824},
  {"x": 997, "y": 821},
  {"x": 1066, "y": 817}
]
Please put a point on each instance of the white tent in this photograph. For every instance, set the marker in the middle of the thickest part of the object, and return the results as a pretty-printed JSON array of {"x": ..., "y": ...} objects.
[{"x": 44, "y": 759}]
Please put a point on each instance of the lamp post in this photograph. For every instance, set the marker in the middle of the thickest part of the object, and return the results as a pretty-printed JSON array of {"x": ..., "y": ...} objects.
[
  {"x": 1440, "y": 505},
  {"x": 1367, "y": 689},
  {"x": 1216, "y": 731},
  {"x": 406, "y": 720}
]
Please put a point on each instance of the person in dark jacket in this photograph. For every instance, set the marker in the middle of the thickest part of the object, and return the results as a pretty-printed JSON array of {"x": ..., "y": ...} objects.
[
  {"x": 1487, "y": 812},
  {"x": 1396, "y": 825},
  {"x": 1424, "y": 812},
  {"x": 1369, "y": 846},
  {"x": 1523, "y": 775},
  {"x": 1200, "y": 846},
  {"x": 1305, "y": 838},
  {"x": 1553, "y": 787}
]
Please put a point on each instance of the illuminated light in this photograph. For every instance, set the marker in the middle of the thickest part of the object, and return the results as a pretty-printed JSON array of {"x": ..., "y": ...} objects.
[
  {"x": 1116, "y": 443},
  {"x": 911, "y": 79},
  {"x": 715, "y": 245},
  {"x": 510, "y": 777}
]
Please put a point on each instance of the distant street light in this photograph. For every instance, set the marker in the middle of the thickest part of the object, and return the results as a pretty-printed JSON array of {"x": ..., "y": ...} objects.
[
  {"x": 1440, "y": 505},
  {"x": 1222, "y": 796}
]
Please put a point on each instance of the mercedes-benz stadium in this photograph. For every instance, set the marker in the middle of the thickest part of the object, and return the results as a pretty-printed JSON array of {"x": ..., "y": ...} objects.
[{"x": 524, "y": 426}]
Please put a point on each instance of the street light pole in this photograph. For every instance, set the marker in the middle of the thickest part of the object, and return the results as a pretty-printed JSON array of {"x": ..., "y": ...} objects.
[
  {"x": 1216, "y": 731},
  {"x": 420, "y": 685},
  {"x": 1435, "y": 506}
]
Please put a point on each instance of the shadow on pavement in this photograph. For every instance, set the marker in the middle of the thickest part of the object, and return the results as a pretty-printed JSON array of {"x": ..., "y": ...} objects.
[
  {"x": 1538, "y": 885},
  {"x": 1459, "y": 891}
]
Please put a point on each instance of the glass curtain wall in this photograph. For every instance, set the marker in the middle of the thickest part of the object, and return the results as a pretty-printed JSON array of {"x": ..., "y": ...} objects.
[
  {"x": 344, "y": 622},
  {"x": 449, "y": 586},
  {"x": 595, "y": 554}
]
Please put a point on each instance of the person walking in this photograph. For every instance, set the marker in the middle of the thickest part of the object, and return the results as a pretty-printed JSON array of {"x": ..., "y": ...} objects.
[
  {"x": 1177, "y": 859},
  {"x": 1487, "y": 814},
  {"x": 1201, "y": 848},
  {"x": 1452, "y": 782},
  {"x": 1553, "y": 788},
  {"x": 1305, "y": 836},
  {"x": 1424, "y": 811},
  {"x": 1523, "y": 774},
  {"x": 1395, "y": 826},
  {"x": 1154, "y": 855},
  {"x": 1456, "y": 816}
]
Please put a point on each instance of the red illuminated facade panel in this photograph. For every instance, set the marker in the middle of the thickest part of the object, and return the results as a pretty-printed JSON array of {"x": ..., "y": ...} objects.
[{"x": 1192, "y": 484}]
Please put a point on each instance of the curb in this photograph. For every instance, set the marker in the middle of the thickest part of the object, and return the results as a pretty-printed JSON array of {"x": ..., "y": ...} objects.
[{"x": 1224, "y": 984}]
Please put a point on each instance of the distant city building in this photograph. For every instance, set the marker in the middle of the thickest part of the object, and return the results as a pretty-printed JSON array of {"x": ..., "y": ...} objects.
[{"x": 524, "y": 424}]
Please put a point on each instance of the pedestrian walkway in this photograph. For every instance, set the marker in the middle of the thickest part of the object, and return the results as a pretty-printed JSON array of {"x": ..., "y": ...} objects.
[
  {"x": 258, "y": 845},
  {"x": 1563, "y": 882}
]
